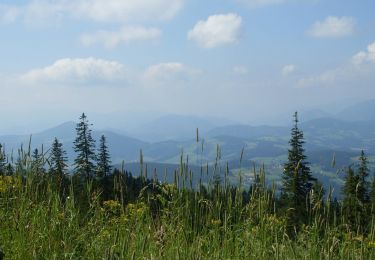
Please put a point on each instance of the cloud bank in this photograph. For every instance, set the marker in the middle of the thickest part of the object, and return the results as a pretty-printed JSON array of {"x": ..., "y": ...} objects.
[
  {"x": 118, "y": 11},
  {"x": 126, "y": 35},
  {"x": 333, "y": 27},
  {"x": 217, "y": 30}
]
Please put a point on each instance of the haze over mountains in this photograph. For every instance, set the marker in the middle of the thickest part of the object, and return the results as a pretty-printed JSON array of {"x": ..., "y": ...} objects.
[{"x": 163, "y": 141}]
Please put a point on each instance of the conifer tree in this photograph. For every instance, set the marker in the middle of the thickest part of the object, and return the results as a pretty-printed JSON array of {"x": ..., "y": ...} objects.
[
  {"x": 58, "y": 159},
  {"x": 349, "y": 189},
  {"x": 363, "y": 184},
  {"x": 104, "y": 167},
  {"x": 372, "y": 194},
  {"x": 84, "y": 146},
  {"x": 37, "y": 162},
  {"x": 9, "y": 169},
  {"x": 351, "y": 205},
  {"x": 3, "y": 161},
  {"x": 297, "y": 179}
]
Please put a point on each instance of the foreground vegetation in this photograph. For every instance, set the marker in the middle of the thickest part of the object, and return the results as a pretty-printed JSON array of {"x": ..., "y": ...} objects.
[
  {"x": 98, "y": 213},
  {"x": 37, "y": 221}
]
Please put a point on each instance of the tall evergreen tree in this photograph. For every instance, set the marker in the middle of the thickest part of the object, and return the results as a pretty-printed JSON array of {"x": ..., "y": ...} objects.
[
  {"x": 297, "y": 179},
  {"x": 104, "y": 167},
  {"x": 349, "y": 189},
  {"x": 372, "y": 194},
  {"x": 363, "y": 184},
  {"x": 9, "y": 169},
  {"x": 84, "y": 146},
  {"x": 357, "y": 195},
  {"x": 58, "y": 159},
  {"x": 37, "y": 162},
  {"x": 3, "y": 161},
  {"x": 352, "y": 209}
]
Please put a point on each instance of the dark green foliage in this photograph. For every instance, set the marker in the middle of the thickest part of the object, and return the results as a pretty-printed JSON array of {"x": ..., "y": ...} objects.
[
  {"x": 58, "y": 167},
  {"x": 372, "y": 194},
  {"x": 84, "y": 146},
  {"x": 104, "y": 160},
  {"x": 317, "y": 196},
  {"x": 351, "y": 204},
  {"x": 3, "y": 161},
  {"x": 357, "y": 195},
  {"x": 363, "y": 184},
  {"x": 37, "y": 162},
  {"x": 58, "y": 160},
  {"x": 350, "y": 185},
  {"x": 297, "y": 179},
  {"x": 9, "y": 170}
]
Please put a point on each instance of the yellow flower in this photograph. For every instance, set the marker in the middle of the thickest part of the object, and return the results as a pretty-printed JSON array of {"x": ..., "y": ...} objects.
[
  {"x": 8, "y": 183},
  {"x": 136, "y": 210},
  {"x": 61, "y": 216},
  {"x": 371, "y": 244},
  {"x": 112, "y": 207},
  {"x": 216, "y": 222}
]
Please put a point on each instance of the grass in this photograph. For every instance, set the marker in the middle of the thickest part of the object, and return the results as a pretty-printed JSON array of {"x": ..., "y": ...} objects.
[{"x": 166, "y": 221}]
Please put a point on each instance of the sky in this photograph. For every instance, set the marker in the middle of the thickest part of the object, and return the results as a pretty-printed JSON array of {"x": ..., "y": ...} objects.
[{"x": 238, "y": 59}]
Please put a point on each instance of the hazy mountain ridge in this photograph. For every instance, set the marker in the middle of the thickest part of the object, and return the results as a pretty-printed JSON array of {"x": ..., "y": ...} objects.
[
  {"x": 331, "y": 144},
  {"x": 323, "y": 135}
]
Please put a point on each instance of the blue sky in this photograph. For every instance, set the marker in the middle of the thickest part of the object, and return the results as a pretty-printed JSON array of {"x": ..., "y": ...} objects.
[{"x": 239, "y": 59}]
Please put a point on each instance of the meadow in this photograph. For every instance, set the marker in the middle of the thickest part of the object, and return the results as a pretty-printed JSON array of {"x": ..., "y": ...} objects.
[{"x": 43, "y": 217}]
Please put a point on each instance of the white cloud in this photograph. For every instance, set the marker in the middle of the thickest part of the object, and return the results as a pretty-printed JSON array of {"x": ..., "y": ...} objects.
[
  {"x": 359, "y": 58},
  {"x": 333, "y": 27},
  {"x": 362, "y": 57},
  {"x": 8, "y": 14},
  {"x": 260, "y": 3},
  {"x": 103, "y": 73},
  {"x": 96, "y": 10},
  {"x": 76, "y": 71},
  {"x": 288, "y": 69},
  {"x": 240, "y": 70},
  {"x": 217, "y": 30},
  {"x": 127, "y": 34},
  {"x": 323, "y": 79},
  {"x": 360, "y": 68},
  {"x": 170, "y": 74},
  {"x": 371, "y": 52}
]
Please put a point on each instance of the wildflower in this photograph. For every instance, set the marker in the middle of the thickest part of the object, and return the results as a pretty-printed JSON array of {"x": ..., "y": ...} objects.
[
  {"x": 358, "y": 238},
  {"x": 112, "y": 207},
  {"x": 136, "y": 210},
  {"x": 60, "y": 216},
  {"x": 216, "y": 222},
  {"x": 8, "y": 183}
]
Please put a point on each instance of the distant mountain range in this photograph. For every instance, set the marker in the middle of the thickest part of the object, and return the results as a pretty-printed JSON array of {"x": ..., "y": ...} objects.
[
  {"x": 340, "y": 136},
  {"x": 165, "y": 138},
  {"x": 177, "y": 127}
]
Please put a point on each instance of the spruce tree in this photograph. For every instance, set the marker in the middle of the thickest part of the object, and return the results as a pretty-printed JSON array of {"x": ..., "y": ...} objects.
[
  {"x": 3, "y": 161},
  {"x": 351, "y": 203},
  {"x": 103, "y": 168},
  {"x": 297, "y": 180},
  {"x": 9, "y": 169},
  {"x": 58, "y": 159},
  {"x": 363, "y": 184},
  {"x": 84, "y": 146},
  {"x": 37, "y": 162},
  {"x": 372, "y": 194},
  {"x": 350, "y": 185}
]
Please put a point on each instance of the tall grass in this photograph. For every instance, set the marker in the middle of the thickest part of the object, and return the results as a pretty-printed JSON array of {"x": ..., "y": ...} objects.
[{"x": 170, "y": 221}]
